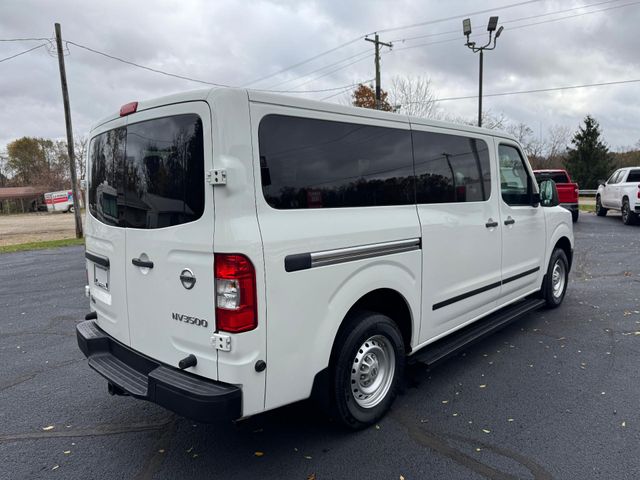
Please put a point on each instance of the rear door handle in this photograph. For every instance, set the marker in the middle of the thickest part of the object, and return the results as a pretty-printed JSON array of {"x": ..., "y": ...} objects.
[
  {"x": 141, "y": 263},
  {"x": 509, "y": 221},
  {"x": 491, "y": 224}
]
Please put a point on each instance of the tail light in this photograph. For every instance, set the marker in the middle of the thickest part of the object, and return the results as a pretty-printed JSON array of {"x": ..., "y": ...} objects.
[
  {"x": 235, "y": 293},
  {"x": 638, "y": 191}
]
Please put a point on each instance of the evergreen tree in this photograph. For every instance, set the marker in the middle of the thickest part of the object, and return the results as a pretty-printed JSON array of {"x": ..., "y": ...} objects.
[{"x": 589, "y": 160}]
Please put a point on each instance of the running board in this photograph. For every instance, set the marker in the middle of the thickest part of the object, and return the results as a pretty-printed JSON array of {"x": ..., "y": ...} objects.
[{"x": 463, "y": 338}]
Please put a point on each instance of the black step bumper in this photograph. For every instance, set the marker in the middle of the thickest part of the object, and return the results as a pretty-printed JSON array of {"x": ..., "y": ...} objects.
[{"x": 141, "y": 377}]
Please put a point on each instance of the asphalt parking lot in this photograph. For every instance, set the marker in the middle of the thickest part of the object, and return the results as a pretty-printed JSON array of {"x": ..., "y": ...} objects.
[{"x": 556, "y": 395}]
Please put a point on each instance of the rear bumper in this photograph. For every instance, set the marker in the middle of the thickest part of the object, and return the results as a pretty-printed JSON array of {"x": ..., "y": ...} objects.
[{"x": 141, "y": 377}]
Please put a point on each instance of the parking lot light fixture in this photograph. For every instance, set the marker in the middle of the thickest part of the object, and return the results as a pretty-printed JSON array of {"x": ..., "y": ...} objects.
[{"x": 490, "y": 45}]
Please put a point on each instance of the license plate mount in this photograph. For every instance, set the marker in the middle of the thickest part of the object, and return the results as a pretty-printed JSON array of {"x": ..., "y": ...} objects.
[{"x": 101, "y": 277}]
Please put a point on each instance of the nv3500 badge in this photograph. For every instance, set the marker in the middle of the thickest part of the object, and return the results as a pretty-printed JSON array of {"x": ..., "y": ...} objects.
[{"x": 189, "y": 319}]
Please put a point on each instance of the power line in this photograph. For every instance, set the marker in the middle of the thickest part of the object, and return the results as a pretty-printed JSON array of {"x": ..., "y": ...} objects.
[
  {"x": 320, "y": 69},
  {"x": 155, "y": 70},
  {"x": 22, "y": 53},
  {"x": 183, "y": 77},
  {"x": 417, "y": 37},
  {"x": 303, "y": 62},
  {"x": 454, "y": 17},
  {"x": 516, "y": 27},
  {"x": 538, "y": 90},
  {"x": 24, "y": 39},
  {"x": 366, "y": 56},
  {"x": 356, "y": 39}
]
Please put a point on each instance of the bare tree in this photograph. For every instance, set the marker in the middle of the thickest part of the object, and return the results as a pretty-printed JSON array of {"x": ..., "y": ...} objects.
[
  {"x": 81, "y": 145},
  {"x": 414, "y": 96},
  {"x": 557, "y": 141}
]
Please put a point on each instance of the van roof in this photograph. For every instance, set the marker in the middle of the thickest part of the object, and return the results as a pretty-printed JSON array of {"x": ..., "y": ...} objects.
[{"x": 295, "y": 102}]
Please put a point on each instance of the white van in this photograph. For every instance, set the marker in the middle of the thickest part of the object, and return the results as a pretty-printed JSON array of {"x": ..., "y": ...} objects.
[{"x": 247, "y": 250}]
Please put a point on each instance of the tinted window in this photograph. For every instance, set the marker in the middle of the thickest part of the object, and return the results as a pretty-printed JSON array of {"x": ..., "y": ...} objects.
[
  {"x": 165, "y": 172},
  {"x": 310, "y": 163},
  {"x": 558, "y": 177},
  {"x": 634, "y": 176},
  {"x": 149, "y": 174},
  {"x": 615, "y": 178},
  {"x": 515, "y": 182},
  {"x": 106, "y": 176},
  {"x": 451, "y": 168}
]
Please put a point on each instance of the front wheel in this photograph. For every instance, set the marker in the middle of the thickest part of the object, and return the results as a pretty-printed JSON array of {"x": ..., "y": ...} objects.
[
  {"x": 600, "y": 210},
  {"x": 367, "y": 369},
  {"x": 557, "y": 279}
]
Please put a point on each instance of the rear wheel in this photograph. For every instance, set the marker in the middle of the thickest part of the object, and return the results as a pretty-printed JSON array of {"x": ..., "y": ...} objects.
[
  {"x": 557, "y": 278},
  {"x": 600, "y": 210},
  {"x": 628, "y": 217},
  {"x": 367, "y": 368}
]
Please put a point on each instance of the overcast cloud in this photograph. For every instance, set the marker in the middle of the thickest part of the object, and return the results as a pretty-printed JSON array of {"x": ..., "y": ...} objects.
[{"x": 232, "y": 42}]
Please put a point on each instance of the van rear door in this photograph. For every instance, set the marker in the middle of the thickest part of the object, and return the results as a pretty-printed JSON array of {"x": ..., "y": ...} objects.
[
  {"x": 169, "y": 243},
  {"x": 105, "y": 236}
]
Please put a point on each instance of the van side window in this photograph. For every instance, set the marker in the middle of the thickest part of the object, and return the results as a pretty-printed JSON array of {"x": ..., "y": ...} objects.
[
  {"x": 516, "y": 184},
  {"x": 311, "y": 163},
  {"x": 451, "y": 168}
]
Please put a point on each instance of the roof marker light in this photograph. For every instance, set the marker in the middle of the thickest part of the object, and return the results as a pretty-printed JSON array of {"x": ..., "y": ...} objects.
[{"x": 128, "y": 109}]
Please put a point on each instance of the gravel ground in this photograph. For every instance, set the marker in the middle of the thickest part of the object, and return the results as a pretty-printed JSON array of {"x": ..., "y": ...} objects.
[
  {"x": 36, "y": 227},
  {"x": 554, "y": 395}
]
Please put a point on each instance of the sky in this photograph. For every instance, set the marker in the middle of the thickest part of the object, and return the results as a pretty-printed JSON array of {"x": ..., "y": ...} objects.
[{"x": 545, "y": 44}]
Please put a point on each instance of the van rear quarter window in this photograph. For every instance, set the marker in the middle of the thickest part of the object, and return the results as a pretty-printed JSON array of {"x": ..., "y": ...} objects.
[
  {"x": 148, "y": 174},
  {"x": 312, "y": 163}
]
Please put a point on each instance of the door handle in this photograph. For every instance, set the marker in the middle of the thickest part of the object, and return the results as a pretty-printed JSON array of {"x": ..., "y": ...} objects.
[
  {"x": 141, "y": 263},
  {"x": 509, "y": 221},
  {"x": 491, "y": 224}
]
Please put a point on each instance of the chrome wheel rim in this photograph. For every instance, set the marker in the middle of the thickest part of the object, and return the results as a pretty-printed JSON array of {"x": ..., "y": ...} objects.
[
  {"x": 372, "y": 371},
  {"x": 558, "y": 278}
]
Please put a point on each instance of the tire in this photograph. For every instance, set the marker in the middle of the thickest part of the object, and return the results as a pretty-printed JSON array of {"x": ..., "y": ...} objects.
[
  {"x": 600, "y": 210},
  {"x": 574, "y": 215},
  {"x": 628, "y": 217},
  {"x": 372, "y": 344},
  {"x": 557, "y": 279},
  {"x": 70, "y": 209}
]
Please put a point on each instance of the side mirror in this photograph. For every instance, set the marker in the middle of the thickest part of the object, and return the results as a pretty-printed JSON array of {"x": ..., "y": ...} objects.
[
  {"x": 549, "y": 194},
  {"x": 602, "y": 182}
]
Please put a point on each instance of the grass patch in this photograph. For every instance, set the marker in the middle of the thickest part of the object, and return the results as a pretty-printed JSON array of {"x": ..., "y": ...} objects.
[
  {"x": 21, "y": 247},
  {"x": 587, "y": 208}
]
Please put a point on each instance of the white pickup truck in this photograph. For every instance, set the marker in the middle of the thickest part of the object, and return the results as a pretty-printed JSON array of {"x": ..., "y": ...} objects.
[{"x": 620, "y": 192}]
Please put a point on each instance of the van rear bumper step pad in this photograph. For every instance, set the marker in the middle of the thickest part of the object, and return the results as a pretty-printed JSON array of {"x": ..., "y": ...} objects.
[{"x": 141, "y": 377}]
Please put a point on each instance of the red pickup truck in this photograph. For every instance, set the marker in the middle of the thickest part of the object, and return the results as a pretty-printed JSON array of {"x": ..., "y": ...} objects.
[{"x": 567, "y": 190}]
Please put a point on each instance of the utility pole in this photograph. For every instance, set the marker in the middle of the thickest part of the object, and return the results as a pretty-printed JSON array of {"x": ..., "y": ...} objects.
[
  {"x": 377, "y": 44},
  {"x": 491, "y": 27},
  {"x": 67, "y": 121}
]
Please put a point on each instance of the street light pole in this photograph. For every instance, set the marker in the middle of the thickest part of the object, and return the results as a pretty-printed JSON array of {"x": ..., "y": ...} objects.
[{"x": 491, "y": 27}]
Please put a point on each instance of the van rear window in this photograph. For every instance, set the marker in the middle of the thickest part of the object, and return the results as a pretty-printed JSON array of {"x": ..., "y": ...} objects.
[
  {"x": 148, "y": 174},
  {"x": 558, "y": 177}
]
